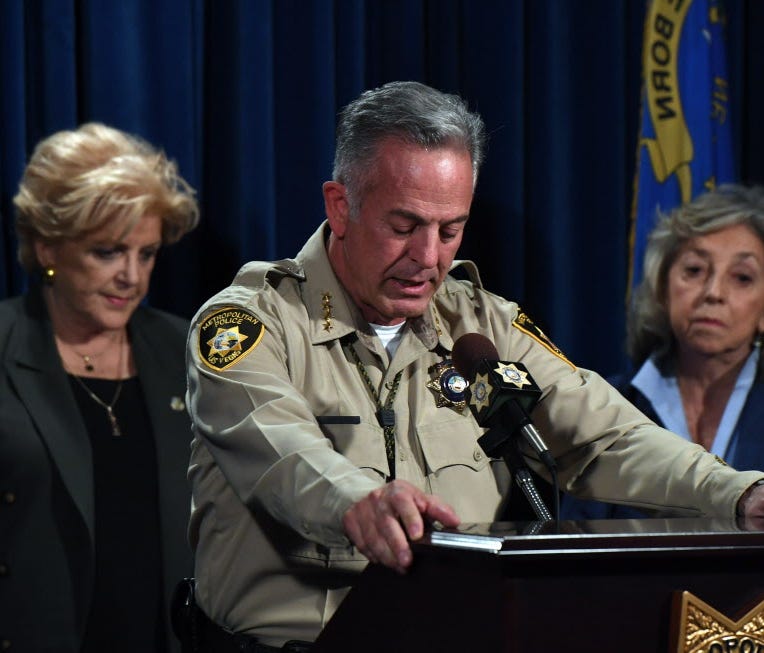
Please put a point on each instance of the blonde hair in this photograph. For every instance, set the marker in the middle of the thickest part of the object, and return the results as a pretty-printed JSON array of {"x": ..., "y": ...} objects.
[{"x": 77, "y": 181}]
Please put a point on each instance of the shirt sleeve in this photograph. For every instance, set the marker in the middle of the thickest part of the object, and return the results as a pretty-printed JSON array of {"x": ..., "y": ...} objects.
[
  {"x": 606, "y": 449},
  {"x": 262, "y": 434}
]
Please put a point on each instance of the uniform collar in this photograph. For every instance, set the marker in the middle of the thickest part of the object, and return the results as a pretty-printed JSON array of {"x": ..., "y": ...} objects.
[{"x": 332, "y": 312}]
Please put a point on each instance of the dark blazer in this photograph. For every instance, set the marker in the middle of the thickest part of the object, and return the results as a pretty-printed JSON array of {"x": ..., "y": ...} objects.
[
  {"x": 746, "y": 443},
  {"x": 46, "y": 479}
]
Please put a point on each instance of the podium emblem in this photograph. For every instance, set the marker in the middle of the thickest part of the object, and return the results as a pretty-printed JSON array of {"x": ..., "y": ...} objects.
[{"x": 700, "y": 628}]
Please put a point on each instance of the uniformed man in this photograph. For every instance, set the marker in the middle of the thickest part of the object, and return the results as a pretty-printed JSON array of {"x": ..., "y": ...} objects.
[{"x": 330, "y": 425}]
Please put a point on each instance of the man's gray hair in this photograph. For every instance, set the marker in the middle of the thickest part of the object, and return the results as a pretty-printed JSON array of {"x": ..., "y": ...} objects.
[{"x": 412, "y": 112}]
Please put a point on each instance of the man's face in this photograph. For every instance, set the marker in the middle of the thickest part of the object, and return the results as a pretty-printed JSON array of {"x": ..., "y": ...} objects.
[{"x": 395, "y": 253}]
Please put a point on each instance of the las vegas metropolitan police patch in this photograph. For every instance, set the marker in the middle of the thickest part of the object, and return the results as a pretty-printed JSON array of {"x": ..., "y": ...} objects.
[{"x": 228, "y": 335}]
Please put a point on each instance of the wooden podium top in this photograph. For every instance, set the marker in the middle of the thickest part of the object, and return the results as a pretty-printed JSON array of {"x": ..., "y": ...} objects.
[
  {"x": 535, "y": 587},
  {"x": 597, "y": 537}
]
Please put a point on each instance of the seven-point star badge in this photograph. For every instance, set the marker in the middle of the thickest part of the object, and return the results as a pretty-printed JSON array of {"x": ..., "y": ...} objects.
[
  {"x": 512, "y": 375},
  {"x": 481, "y": 390}
]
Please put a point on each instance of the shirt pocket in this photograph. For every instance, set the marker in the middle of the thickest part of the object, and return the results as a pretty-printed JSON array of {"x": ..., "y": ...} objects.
[
  {"x": 362, "y": 444},
  {"x": 451, "y": 443}
]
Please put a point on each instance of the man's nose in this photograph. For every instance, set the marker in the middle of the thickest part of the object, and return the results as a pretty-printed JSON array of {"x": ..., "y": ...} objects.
[{"x": 424, "y": 248}]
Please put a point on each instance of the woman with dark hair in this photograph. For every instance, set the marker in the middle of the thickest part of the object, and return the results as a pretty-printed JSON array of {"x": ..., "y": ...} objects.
[
  {"x": 695, "y": 330},
  {"x": 94, "y": 434}
]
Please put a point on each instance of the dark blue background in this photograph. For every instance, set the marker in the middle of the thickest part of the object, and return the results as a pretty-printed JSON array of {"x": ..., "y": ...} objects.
[{"x": 244, "y": 95}]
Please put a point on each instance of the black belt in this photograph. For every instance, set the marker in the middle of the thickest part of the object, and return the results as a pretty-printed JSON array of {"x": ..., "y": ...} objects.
[
  {"x": 199, "y": 634},
  {"x": 213, "y": 638}
]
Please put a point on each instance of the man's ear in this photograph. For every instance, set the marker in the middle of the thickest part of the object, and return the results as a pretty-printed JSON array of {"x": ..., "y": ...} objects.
[{"x": 336, "y": 207}]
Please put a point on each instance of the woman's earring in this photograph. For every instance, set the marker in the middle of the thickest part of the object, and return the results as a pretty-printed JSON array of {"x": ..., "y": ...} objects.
[{"x": 49, "y": 275}]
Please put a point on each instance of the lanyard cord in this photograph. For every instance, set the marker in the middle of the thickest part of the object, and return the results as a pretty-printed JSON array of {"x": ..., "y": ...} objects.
[{"x": 385, "y": 414}]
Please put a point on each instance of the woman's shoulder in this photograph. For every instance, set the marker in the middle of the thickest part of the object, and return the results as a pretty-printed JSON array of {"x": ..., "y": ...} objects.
[
  {"x": 10, "y": 309},
  {"x": 155, "y": 320}
]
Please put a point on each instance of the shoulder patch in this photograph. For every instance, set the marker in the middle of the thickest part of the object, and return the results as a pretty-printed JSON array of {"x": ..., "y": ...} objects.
[
  {"x": 228, "y": 335},
  {"x": 528, "y": 327}
]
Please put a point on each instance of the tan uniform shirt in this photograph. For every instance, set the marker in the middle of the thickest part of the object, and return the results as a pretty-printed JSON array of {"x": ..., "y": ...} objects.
[{"x": 277, "y": 459}]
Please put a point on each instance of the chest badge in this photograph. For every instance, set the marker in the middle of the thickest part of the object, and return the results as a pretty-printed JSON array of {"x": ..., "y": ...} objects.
[{"x": 448, "y": 385}]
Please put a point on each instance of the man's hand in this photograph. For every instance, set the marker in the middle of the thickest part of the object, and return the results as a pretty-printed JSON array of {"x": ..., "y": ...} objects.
[{"x": 381, "y": 524}]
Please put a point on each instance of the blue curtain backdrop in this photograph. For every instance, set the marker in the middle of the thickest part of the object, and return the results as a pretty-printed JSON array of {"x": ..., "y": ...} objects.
[{"x": 244, "y": 95}]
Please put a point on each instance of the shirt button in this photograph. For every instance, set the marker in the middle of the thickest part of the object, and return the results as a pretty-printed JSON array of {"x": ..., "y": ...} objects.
[
  {"x": 402, "y": 454},
  {"x": 477, "y": 454}
]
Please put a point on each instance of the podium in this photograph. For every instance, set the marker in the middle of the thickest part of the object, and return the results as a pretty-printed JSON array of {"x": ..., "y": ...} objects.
[{"x": 533, "y": 587}]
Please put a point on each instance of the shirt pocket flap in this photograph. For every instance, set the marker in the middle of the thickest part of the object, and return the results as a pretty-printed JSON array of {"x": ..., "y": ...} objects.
[
  {"x": 363, "y": 444},
  {"x": 452, "y": 442}
]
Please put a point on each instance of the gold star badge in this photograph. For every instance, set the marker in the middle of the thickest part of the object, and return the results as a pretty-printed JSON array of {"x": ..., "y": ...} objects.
[
  {"x": 226, "y": 340},
  {"x": 702, "y": 628},
  {"x": 448, "y": 386},
  {"x": 512, "y": 375},
  {"x": 481, "y": 391},
  {"x": 228, "y": 335}
]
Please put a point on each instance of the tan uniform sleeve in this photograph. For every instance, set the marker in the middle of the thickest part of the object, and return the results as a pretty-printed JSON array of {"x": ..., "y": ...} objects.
[
  {"x": 266, "y": 441},
  {"x": 608, "y": 450}
]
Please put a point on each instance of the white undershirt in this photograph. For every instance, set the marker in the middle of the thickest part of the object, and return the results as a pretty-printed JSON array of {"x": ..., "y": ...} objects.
[
  {"x": 389, "y": 335},
  {"x": 663, "y": 394}
]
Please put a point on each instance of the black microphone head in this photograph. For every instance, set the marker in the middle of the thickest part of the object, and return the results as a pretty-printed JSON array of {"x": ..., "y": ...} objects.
[
  {"x": 469, "y": 350},
  {"x": 493, "y": 383}
]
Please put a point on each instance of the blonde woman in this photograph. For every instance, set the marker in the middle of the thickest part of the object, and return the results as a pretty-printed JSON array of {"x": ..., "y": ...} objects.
[{"x": 93, "y": 428}]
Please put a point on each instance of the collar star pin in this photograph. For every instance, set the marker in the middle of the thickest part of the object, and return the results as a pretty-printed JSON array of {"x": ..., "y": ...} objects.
[{"x": 326, "y": 304}]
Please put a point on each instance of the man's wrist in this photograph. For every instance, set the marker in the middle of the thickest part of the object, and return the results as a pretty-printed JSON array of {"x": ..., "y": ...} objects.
[{"x": 744, "y": 497}]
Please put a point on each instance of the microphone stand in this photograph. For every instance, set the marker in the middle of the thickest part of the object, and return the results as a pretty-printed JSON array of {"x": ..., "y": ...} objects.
[{"x": 497, "y": 441}]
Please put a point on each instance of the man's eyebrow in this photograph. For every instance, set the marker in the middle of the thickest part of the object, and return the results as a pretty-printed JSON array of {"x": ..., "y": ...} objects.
[{"x": 418, "y": 219}]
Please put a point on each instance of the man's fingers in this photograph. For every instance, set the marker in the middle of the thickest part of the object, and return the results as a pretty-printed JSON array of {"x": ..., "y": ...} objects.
[
  {"x": 381, "y": 524},
  {"x": 442, "y": 512}
]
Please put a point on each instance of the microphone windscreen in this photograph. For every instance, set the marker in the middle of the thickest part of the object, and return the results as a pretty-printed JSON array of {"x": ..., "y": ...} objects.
[{"x": 469, "y": 350}]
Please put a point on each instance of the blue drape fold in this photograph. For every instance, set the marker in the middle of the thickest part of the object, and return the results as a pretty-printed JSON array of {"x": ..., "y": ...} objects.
[{"x": 244, "y": 95}]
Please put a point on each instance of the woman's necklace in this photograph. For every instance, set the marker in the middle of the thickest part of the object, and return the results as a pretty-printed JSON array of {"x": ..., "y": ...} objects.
[
  {"x": 88, "y": 359},
  {"x": 115, "y": 430}
]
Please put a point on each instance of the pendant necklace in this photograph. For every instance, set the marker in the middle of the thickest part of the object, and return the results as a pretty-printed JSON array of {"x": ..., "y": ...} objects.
[
  {"x": 88, "y": 359},
  {"x": 115, "y": 430}
]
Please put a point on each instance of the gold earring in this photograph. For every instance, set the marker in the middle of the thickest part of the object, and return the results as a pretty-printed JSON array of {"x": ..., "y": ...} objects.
[{"x": 49, "y": 275}]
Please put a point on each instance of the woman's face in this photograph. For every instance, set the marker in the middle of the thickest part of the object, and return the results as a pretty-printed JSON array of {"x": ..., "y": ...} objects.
[
  {"x": 715, "y": 293},
  {"x": 101, "y": 279}
]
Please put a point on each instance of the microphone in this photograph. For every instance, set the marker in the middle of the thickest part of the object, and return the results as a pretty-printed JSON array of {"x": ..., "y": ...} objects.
[{"x": 500, "y": 396}]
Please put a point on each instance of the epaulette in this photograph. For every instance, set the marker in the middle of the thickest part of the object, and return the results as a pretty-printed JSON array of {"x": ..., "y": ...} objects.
[
  {"x": 255, "y": 273},
  {"x": 470, "y": 268}
]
